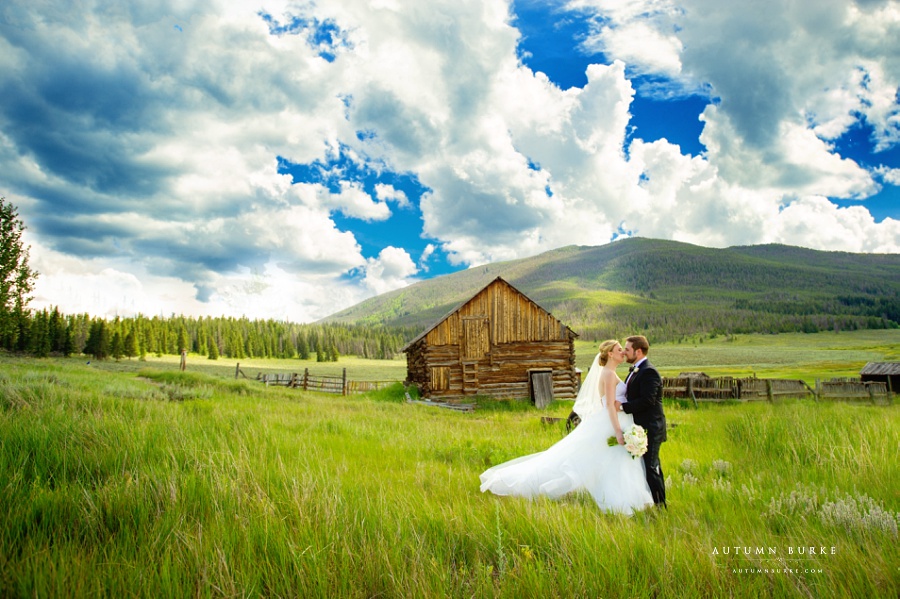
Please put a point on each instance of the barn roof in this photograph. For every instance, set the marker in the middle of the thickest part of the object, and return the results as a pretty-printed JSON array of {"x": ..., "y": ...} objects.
[
  {"x": 881, "y": 368},
  {"x": 463, "y": 303}
]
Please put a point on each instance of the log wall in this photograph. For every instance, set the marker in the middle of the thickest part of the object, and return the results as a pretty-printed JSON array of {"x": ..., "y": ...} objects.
[
  {"x": 489, "y": 346},
  {"x": 504, "y": 372}
]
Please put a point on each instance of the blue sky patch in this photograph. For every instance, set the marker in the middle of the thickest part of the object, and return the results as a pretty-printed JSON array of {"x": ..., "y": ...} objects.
[
  {"x": 325, "y": 36},
  {"x": 551, "y": 42},
  {"x": 404, "y": 227},
  {"x": 857, "y": 143}
]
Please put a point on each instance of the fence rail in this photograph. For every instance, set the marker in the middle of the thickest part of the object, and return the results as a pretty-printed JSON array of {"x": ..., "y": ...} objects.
[
  {"x": 850, "y": 389},
  {"x": 337, "y": 384},
  {"x": 709, "y": 389},
  {"x": 697, "y": 389}
]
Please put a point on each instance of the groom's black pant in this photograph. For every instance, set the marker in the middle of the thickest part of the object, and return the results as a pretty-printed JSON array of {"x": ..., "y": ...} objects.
[{"x": 655, "y": 479}]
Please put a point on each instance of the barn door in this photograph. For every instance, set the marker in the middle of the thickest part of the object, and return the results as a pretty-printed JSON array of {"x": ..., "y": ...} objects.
[
  {"x": 476, "y": 339},
  {"x": 440, "y": 378},
  {"x": 541, "y": 387}
]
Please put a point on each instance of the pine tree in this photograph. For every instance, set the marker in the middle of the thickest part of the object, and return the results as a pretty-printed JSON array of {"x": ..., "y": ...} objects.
[
  {"x": 117, "y": 346},
  {"x": 39, "y": 342},
  {"x": 202, "y": 347},
  {"x": 97, "y": 344},
  {"x": 79, "y": 326},
  {"x": 16, "y": 278},
  {"x": 130, "y": 348},
  {"x": 302, "y": 346},
  {"x": 234, "y": 348},
  {"x": 22, "y": 320},
  {"x": 56, "y": 330},
  {"x": 182, "y": 339},
  {"x": 314, "y": 344},
  {"x": 68, "y": 345},
  {"x": 161, "y": 340}
]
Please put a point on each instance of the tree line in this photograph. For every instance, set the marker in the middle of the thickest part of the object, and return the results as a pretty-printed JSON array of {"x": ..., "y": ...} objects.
[{"x": 47, "y": 332}]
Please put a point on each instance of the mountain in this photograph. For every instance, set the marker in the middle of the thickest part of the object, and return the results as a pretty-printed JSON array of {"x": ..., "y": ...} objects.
[{"x": 669, "y": 290}]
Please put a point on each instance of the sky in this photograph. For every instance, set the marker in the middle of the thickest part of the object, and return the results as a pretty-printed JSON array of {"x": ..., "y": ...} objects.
[{"x": 287, "y": 160}]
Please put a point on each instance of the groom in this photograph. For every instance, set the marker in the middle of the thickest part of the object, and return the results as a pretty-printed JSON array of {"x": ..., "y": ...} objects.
[{"x": 644, "y": 394}]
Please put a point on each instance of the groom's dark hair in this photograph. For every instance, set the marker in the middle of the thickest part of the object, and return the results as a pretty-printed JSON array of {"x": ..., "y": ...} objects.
[{"x": 639, "y": 342}]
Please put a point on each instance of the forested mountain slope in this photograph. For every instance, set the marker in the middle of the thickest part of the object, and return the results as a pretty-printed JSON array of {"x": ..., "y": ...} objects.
[{"x": 669, "y": 290}]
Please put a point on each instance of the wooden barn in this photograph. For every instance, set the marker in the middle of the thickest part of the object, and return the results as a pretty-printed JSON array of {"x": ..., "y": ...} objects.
[
  {"x": 498, "y": 343},
  {"x": 882, "y": 372}
]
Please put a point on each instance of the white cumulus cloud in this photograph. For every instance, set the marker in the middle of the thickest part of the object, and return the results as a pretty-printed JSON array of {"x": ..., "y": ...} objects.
[{"x": 145, "y": 157}]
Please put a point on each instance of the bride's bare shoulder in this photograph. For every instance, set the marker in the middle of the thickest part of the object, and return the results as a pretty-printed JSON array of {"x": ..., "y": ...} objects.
[{"x": 609, "y": 373}]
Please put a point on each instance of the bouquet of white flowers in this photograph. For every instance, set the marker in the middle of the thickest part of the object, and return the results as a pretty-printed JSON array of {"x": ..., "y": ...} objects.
[{"x": 635, "y": 441}]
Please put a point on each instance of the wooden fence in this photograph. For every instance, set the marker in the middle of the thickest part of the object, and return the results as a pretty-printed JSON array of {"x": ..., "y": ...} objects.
[
  {"x": 853, "y": 389},
  {"x": 709, "y": 389},
  {"x": 697, "y": 389},
  {"x": 700, "y": 389},
  {"x": 339, "y": 385}
]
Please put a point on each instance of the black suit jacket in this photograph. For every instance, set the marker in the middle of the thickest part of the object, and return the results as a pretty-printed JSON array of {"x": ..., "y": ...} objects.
[{"x": 644, "y": 394}]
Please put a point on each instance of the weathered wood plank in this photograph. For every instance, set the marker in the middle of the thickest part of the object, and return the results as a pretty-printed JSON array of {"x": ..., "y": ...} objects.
[{"x": 489, "y": 345}]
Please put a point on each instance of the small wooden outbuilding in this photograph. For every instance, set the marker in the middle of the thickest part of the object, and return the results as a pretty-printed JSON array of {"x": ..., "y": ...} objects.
[
  {"x": 498, "y": 343},
  {"x": 882, "y": 372}
]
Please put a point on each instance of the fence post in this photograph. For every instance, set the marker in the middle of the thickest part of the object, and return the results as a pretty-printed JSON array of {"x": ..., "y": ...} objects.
[
  {"x": 769, "y": 393},
  {"x": 344, "y": 383},
  {"x": 305, "y": 379},
  {"x": 811, "y": 390},
  {"x": 690, "y": 389},
  {"x": 237, "y": 369},
  {"x": 871, "y": 391}
]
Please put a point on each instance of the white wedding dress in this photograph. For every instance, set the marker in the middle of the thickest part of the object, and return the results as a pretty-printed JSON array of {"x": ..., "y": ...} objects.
[{"x": 581, "y": 460}]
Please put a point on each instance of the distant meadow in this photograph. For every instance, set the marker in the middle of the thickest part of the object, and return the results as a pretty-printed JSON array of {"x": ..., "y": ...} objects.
[{"x": 137, "y": 479}]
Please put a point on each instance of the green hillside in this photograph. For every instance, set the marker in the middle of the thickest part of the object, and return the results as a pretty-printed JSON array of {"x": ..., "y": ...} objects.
[{"x": 670, "y": 290}]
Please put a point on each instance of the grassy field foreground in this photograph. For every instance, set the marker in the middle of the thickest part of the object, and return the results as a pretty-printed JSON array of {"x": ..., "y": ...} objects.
[{"x": 170, "y": 484}]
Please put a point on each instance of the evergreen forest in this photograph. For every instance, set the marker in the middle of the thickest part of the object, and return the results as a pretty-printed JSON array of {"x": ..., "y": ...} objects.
[{"x": 47, "y": 332}]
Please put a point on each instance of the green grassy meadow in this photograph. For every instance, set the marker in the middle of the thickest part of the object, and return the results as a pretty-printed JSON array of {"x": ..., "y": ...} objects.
[
  {"x": 792, "y": 355},
  {"x": 135, "y": 479}
]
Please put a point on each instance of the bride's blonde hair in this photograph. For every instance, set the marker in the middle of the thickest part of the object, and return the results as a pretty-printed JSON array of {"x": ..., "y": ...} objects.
[{"x": 606, "y": 347}]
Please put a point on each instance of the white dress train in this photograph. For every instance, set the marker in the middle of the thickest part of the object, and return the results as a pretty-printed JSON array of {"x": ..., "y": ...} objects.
[{"x": 580, "y": 460}]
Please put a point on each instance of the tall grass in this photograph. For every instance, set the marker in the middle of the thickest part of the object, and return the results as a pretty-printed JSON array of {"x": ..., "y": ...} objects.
[{"x": 111, "y": 485}]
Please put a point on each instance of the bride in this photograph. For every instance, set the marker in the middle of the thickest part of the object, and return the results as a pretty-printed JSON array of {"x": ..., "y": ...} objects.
[{"x": 583, "y": 459}]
